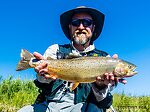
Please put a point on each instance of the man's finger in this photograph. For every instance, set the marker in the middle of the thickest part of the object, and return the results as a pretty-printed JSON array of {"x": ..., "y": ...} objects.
[
  {"x": 115, "y": 56},
  {"x": 38, "y": 56},
  {"x": 112, "y": 77},
  {"x": 98, "y": 78},
  {"x": 41, "y": 66},
  {"x": 43, "y": 71},
  {"x": 123, "y": 81}
]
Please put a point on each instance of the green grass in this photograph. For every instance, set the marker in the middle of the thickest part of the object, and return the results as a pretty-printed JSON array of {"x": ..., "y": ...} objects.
[
  {"x": 16, "y": 93},
  {"x": 128, "y": 103}
]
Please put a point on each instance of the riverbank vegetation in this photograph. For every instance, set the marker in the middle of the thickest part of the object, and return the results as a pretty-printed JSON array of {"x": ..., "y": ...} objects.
[{"x": 16, "y": 93}]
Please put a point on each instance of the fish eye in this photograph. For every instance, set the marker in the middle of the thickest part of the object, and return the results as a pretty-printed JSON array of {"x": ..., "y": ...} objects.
[{"x": 129, "y": 66}]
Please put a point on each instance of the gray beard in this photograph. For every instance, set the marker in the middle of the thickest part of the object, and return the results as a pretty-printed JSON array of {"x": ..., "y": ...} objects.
[
  {"x": 80, "y": 37},
  {"x": 81, "y": 41}
]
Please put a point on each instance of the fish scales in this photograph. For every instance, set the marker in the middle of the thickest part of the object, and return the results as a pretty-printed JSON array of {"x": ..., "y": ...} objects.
[{"x": 82, "y": 69}]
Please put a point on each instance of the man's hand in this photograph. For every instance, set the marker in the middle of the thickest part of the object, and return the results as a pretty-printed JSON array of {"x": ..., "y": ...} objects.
[
  {"x": 41, "y": 69},
  {"x": 109, "y": 78}
]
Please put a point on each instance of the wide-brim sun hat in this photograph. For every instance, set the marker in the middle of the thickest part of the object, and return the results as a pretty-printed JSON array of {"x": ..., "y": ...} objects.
[{"x": 97, "y": 16}]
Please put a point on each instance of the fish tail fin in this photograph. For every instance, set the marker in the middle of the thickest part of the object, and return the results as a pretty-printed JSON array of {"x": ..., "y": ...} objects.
[{"x": 25, "y": 59}]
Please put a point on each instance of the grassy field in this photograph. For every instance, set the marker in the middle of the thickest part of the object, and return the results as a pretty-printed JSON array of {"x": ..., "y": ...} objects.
[
  {"x": 127, "y": 103},
  {"x": 14, "y": 94}
]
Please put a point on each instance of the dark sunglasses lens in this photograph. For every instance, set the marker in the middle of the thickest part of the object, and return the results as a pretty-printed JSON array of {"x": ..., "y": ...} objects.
[
  {"x": 75, "y": 22},
  {"x": 86, "y": 22}
]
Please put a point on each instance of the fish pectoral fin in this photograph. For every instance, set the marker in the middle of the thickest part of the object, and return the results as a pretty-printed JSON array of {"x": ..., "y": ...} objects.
[{"x": 74, "y": 85}]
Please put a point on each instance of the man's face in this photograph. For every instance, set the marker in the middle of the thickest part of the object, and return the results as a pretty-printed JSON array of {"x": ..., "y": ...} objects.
[{"x": 81, "y": 28}]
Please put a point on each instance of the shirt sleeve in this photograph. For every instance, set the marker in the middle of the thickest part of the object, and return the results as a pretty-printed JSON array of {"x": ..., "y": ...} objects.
[
  {"x": 52, "y": 53},
  {"x": 101, "y": 93}
]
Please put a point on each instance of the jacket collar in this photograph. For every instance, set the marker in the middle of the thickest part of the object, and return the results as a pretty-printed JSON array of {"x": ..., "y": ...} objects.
[{"x": 89, "y": 48}]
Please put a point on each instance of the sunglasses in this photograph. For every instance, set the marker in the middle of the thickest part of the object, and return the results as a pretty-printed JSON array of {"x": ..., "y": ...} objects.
[{"x": 85, "y": 22}]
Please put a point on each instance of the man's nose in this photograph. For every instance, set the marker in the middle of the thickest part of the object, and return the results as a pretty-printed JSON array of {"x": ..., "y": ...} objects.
[{"x": 81, "y": 26}]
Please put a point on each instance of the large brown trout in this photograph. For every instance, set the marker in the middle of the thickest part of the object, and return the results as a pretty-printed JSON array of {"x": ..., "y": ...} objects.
[{"x": 81, "y": 69}]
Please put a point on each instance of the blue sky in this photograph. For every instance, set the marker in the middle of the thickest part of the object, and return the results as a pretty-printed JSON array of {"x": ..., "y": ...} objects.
[{"x": 34, "y": 25}]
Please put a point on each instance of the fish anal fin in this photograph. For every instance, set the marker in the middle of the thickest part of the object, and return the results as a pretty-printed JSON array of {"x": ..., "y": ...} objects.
[{"x": 74, "y": 85}]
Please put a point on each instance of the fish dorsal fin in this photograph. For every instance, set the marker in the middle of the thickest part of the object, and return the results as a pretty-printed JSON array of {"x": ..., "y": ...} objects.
[
  {"x": 72, "y": 55},
  {"x": 49, "y": 58}
]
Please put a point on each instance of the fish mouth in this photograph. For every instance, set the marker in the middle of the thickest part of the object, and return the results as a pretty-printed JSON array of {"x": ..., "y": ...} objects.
[{"x": 132, "y": 72}]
